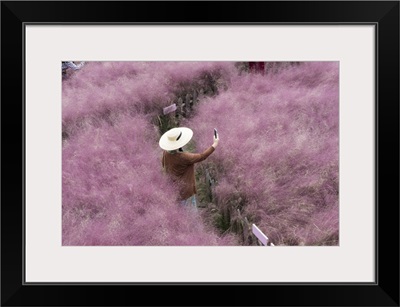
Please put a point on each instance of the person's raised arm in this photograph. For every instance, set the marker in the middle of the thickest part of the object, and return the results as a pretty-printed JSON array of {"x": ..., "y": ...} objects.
[{"x": 192, "y": 158}]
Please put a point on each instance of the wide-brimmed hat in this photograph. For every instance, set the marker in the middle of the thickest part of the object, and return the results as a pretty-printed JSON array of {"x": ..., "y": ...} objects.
[{"x": 175, "y": 138}]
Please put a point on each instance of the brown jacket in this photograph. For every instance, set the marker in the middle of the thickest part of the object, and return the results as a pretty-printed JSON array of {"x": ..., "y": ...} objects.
[{"x": 180, "y": 165}]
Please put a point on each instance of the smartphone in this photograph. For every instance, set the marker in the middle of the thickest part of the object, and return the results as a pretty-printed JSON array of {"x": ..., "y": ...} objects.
[{"x": 215, "y": 133}]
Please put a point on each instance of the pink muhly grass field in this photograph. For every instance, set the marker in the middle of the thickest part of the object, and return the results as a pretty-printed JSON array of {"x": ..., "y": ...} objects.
[
  {"x": 276, "y": 164},
  {"x": 100, "y": 88},
  {"x": 114, "y": 192},
  {"x": 113, "y": 188},
  {"x": 278, "y": 151}
]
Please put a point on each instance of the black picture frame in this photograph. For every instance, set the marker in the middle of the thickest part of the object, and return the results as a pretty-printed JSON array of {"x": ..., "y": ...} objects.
[{"x": 383, "y": 14}]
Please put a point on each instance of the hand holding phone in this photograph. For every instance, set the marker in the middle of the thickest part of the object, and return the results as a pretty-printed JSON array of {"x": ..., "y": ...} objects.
[{"x": 216, "y": 139}]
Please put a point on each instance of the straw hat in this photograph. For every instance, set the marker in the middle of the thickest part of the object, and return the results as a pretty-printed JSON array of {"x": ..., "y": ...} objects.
[{"x": 175, "y": 138}]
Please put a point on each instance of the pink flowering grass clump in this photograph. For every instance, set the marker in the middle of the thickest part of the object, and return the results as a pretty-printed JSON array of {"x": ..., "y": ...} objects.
[
  {"x": 101, "y": 89},
  {"x": 277, "y": 161},
  {"x": 114, "y": 191}
]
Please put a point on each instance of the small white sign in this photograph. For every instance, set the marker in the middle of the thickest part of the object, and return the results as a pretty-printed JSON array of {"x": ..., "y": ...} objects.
[
  {"x": 169, "y": 109},
  {"x": 259, "y": 234}
]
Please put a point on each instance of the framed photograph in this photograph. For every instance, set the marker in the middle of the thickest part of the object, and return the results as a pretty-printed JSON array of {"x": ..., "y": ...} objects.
[{"x": 249, "y": 150}]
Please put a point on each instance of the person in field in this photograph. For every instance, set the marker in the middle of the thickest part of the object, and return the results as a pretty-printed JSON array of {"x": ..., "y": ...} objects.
[
  {"x": 68, "y": 65},
  {"x": 257, "y": 67},
  {"x": 179, "y": 164}
]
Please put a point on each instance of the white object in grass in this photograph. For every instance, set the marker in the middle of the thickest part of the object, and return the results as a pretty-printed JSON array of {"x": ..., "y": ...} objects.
[
  {"x": 169, "y": 109},
  {"x": 260, "y": 235}
]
